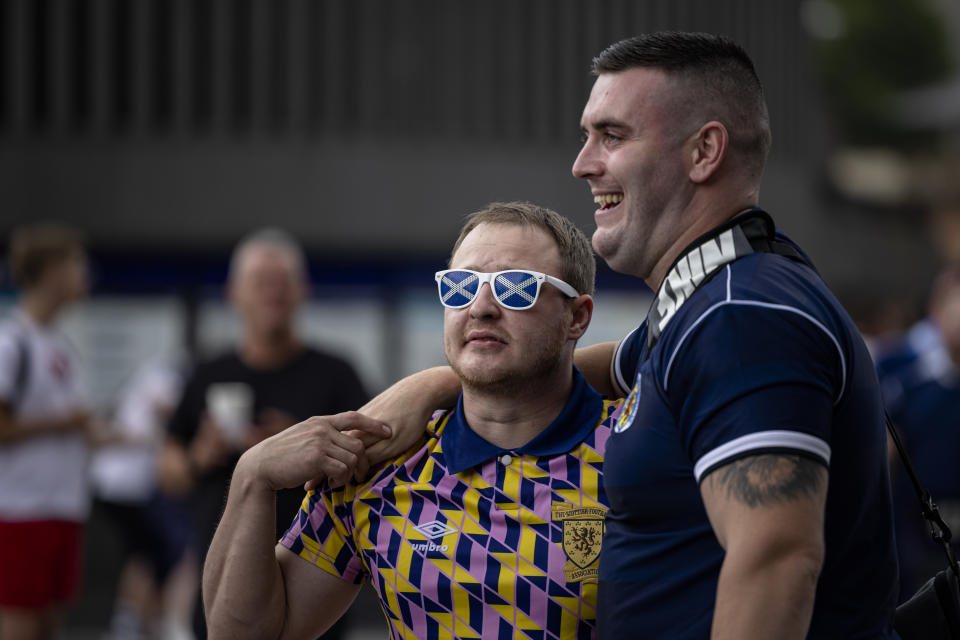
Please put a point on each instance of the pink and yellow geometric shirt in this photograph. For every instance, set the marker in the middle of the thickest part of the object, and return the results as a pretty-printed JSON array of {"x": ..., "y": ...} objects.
[{"x": 463, "y": 539}]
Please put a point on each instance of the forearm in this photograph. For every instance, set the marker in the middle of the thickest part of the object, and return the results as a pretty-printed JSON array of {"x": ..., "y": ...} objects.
[
  {"x": 424, "y": 391},
  {"x": 771, "y": 599},
  {"x": 595, "y": 363},
  {"x": 243, "y": 589},
  {"x": 14, "y": 430}
]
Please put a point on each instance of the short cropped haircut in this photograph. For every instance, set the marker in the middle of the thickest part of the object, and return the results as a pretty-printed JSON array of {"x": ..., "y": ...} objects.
[
  {"x": 37, "y": 247},
  {"x": 721, "y": 76},
  {"x": 578, "y": 266},
  {"x": 268, "y": 237}
]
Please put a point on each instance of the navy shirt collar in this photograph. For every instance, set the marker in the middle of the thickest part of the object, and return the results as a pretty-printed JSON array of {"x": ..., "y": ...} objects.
[{"x": 463, "y": 448}]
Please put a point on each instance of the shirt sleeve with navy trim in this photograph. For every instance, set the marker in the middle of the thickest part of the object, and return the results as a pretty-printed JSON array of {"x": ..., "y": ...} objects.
[
  {"x": 626, "y": 359},
  {"x": 745, "y": 373},
  {"x": 755, "y": 380}
]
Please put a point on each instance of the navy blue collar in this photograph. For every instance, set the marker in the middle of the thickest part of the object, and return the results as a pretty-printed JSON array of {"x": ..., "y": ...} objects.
[{"x": 463, "y": 448}]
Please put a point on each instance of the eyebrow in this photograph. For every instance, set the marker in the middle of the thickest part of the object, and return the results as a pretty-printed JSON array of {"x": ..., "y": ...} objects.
[{"x": 608, "y": 123}]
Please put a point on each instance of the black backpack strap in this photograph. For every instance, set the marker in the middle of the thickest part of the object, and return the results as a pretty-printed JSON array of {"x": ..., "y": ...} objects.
[{"x": 939, "y": 530}]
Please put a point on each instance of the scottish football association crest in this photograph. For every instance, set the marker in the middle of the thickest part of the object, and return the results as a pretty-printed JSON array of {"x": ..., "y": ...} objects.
[
  {"x": 582, "y": 534},
  {"x": 629, "y": 410}
]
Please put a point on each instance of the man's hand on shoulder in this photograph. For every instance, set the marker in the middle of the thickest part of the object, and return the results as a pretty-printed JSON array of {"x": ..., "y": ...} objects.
[
  {"x": 406, "y": 408},
  {"x": 317, "y": 447}
]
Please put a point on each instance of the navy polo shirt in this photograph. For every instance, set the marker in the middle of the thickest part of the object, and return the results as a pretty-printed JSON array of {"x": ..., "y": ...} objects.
[{"x": 743, "y": 352}]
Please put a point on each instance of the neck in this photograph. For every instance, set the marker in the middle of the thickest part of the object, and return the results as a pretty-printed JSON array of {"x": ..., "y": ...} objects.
[
  {"x": 266, "y": 350},
  {"x": 40, "y": 308},
  {"x": 510, "y": 419},
  {"x": 694, "y": 225}
]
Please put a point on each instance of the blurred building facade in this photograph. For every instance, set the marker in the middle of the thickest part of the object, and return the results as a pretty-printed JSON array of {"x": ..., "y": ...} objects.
[{"x": 364, "y": 126}]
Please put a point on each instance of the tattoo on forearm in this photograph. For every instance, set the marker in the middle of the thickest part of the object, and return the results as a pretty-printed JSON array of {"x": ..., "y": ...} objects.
[{"x": 769, "y": 478}]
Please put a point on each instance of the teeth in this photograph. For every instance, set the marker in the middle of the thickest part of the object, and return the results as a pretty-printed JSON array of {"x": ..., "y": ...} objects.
[{"x": 608, "y": 198}]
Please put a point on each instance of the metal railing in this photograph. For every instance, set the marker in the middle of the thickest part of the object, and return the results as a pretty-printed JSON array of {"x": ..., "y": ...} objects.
[{"x": 490, "y": 69}]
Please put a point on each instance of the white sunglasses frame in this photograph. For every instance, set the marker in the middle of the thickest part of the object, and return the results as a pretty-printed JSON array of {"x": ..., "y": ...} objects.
[{"x": 489, "y": 277}]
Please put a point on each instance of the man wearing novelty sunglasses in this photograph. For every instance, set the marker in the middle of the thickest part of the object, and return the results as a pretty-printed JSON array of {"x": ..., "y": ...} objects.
[{"x": 493, "y": 520}]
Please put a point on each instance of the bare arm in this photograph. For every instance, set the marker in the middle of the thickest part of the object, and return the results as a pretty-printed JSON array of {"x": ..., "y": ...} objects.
[
  {"x": 407, "y": 406},
  {"x": 247, "y": 591},
  {"x": 12, "y": 429},
  {"x": 767, "y": 512},
  {"x": 596, "y": 364},
  {"x": 315, "y": 599}
]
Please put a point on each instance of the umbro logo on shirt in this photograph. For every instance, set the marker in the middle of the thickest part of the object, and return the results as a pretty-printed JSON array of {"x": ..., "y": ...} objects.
[{"x": 432, "y": 530}]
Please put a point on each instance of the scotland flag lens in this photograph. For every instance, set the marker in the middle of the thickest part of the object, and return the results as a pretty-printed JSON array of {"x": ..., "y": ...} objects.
[
  {"x": 516, "y": 289},
  {"x": 458, "y": 288}
]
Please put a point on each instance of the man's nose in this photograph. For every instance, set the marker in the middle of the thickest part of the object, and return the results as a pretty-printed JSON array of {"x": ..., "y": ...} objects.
[
  {"x": 484, "y": 305},
  {"x": 588, "y": 162}
]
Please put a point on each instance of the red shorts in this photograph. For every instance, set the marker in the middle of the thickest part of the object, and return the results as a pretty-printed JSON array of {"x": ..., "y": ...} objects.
[{"x": 40, "y": 562}]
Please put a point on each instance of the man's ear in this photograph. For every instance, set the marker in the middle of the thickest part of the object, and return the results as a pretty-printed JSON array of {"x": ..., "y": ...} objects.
[
  {"x": 582, "y": 307},
  {"x": 709, "y": 151}
]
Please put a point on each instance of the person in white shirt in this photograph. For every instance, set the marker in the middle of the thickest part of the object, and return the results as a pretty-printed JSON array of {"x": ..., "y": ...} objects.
[{"x": 44, "y": 431}]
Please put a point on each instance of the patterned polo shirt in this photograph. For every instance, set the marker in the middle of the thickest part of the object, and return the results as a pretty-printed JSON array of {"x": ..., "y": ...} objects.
[{"x": 464, "y": 539}]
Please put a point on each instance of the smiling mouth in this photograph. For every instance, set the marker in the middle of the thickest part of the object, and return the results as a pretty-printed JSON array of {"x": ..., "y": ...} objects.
[{"x": 608, "y": 200}]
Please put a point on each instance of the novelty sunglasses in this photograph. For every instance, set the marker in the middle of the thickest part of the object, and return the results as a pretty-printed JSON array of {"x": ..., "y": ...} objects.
[{"x": 515, "y": 289}]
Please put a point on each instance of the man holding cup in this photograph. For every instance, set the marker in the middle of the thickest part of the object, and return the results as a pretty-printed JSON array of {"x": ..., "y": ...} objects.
[{"x": 269, "y": 382}]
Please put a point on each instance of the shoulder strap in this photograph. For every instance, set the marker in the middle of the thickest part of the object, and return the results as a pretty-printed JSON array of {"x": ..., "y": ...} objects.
[{"x": 939, "y": 530}]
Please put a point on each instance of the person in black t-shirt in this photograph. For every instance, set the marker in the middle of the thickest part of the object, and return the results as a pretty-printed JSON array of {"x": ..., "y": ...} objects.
[{"x": 270, "y": 382}]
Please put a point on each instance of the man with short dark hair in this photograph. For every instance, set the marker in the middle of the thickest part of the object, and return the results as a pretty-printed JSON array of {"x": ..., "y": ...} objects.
[
  {"x": 44, "y": 426},
  {"x": 489, "y": 525},
  {"x": 747, "y": 473}
]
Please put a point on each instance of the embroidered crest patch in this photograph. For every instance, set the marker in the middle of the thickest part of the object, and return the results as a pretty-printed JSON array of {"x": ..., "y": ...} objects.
[
  {"x": 629, "y": 409},
  {"x": 582, "y": 534}
]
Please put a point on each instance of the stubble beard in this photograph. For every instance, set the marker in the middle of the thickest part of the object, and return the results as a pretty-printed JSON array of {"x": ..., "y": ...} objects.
[
  {"x": 620, "y": 251},
  {"x": 543, "y": 362}
]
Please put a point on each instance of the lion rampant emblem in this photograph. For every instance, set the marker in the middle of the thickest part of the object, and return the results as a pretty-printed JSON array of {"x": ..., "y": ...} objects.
[{"x": 582, "y": 536}]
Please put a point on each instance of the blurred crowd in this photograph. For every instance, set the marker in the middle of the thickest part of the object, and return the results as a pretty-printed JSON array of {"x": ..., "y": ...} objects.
[{"x": 157, "y": 469}]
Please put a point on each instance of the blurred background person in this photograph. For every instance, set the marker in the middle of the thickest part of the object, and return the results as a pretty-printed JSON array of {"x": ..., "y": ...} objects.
[
  {"x": 920, "y": 379},
  {"x": 44, "y": 432},
  {"x": 268, "y": 383},
  {"x": 159, "y": 577}
]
